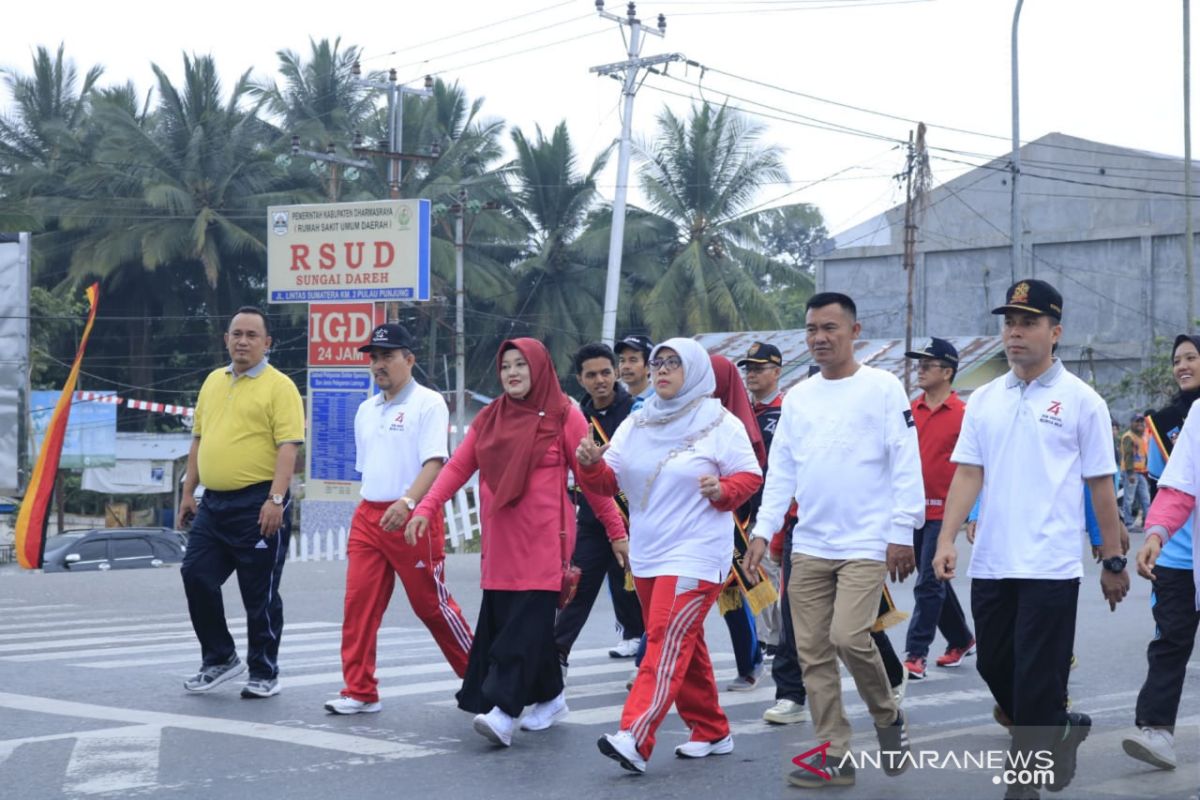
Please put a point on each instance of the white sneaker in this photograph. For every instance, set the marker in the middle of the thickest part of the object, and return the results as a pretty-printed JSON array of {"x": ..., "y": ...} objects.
[
  {"x": 543, "y": 715},
  {"x": 720, "y": 747},
  {"x": 785, "y": 712},
  {"x": 348, "y": 705},
  {"x": 622, "y": 748},
  {"x": 495, "y": 726},
  {"x": 1152, "y": 745},
  {"x": 626, "y": 648}
]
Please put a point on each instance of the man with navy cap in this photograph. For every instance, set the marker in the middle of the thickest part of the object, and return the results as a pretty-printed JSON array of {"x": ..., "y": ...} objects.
[
  {"x": 1030, "y": 440},
  {"x": 633, "y": 353},
  {"x": 938, "y": 413},
  {"x": 400, "y": 436}
]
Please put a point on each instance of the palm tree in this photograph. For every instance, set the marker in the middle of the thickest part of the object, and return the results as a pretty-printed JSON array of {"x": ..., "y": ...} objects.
[
  {"x": 701, "y": 178},
  {"x": 560, "y": 286},
  {"x": 321, "y": 103},
  {"x": 185, "y": 188},
  {"x": 42, "y": 139}
]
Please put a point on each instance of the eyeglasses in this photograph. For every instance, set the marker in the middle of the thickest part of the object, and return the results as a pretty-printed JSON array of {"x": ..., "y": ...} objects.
[{"x": 668, "y": 364}]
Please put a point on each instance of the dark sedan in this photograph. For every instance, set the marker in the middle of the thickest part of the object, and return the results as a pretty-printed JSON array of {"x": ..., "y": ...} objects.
[{"x": 113, "y": 548}]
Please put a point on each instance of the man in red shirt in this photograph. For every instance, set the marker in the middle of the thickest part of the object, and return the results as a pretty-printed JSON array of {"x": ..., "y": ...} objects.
[{"x": 939, "y": 415}]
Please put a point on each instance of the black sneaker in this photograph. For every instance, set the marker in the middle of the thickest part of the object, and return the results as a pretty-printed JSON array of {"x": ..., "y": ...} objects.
[
  {"x": 833, "y": 771},
  {"x": 894, "y": 746},
  {"x": 211, "y": 677},
  {"x": 1077, "y": 729}
]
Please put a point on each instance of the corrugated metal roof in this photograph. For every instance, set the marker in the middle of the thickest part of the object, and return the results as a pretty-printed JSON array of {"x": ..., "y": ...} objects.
[{"x": 886, "y": 354}]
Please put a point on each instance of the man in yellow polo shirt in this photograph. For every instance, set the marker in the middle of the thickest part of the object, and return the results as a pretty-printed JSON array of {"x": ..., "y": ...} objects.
[{"x": 249, "y": 423}]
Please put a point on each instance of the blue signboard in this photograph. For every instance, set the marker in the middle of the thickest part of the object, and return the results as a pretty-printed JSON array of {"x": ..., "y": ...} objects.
[
  {"x": 91, "y": 437},
  {"x": 334, "y": 396}
]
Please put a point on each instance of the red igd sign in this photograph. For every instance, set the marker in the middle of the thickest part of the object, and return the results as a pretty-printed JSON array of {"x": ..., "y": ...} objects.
[{"x": 337, "y": 330}]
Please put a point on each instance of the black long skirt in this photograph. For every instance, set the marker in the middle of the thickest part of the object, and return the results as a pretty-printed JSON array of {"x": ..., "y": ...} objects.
[{"x": 513, "y": 661}]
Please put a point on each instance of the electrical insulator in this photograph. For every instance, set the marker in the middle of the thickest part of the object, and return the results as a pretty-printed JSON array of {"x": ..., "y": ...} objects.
[
  {"x": 392, "y": 75},
  {"x": 428, "y": 81},
  {"x": 631, "y": 11},
  {"x": 295, "y": 145},
  {"x": 662, "y": 23},
  {"x": 356, "y": 70}
]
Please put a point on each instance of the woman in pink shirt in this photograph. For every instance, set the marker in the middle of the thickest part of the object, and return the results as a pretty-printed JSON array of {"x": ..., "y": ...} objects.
[{"x": 519, "y": 445}]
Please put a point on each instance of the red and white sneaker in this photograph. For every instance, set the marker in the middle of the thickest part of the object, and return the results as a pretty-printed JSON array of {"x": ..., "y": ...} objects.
[
  {"x": 954, "y": 656},
  {"x": 915, "y": 666}
]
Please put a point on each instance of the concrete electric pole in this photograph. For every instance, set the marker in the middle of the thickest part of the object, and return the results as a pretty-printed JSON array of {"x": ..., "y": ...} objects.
[
  {"x": 917, "y": 181},
  {"x": 629, "y": 70}
]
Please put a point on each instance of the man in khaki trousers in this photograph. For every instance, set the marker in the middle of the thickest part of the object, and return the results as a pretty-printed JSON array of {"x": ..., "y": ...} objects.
[{"x": 846, "y": 451}]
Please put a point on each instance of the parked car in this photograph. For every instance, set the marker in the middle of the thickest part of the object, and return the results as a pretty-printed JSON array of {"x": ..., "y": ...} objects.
[{"x": 113, "y": 548}]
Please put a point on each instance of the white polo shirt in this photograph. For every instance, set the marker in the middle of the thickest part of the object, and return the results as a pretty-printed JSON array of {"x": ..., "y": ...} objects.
[
  {"x": 1037, "y": 442},
  {"x": 393, "y": 439}
]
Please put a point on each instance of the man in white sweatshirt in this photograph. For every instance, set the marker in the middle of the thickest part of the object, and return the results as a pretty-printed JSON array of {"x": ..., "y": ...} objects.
[{"x": 846, "y": 450}]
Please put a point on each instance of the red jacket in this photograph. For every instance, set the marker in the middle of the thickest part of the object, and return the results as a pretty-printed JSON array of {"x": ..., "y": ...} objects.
[{"x": 937, "y": 434}]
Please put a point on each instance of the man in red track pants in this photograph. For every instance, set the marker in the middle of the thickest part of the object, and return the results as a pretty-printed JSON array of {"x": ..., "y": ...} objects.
[{"x": 400, "y": 435}]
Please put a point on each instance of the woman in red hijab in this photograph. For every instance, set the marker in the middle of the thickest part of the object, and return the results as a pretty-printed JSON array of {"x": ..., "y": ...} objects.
[
  {"x": 518, "y": 444},
  {"x": 738, "y": 616}
]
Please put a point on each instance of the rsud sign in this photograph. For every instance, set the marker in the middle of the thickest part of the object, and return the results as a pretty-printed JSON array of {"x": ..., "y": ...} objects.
[{"x": 337, "y": 330}]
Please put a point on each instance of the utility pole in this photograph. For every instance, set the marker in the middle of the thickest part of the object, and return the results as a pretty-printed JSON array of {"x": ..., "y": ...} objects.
[
  {"x": 335, "y": 162},
  {"x": 629, "y": 70},
  {"x": 392, "y": 149},
  {"x": 1189, "y": 234},
  {"x": 916, "y": 187},
  {"x": 1015, "y": 222},
  {"x": 462, "y": 231}
]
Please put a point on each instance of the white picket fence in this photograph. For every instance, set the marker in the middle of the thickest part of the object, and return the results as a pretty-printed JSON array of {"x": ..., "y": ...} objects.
[{"x": 462, "y": 524}]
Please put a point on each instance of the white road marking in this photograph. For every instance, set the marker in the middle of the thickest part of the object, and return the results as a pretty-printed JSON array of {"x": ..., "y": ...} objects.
[
  {"x": 75, "y": 619},
  {"x": 114, "y": 760},
  {"x": 100, "y": 652},
  {"x": 343, "y": 743},
  {"x": 191, "y": 652}
]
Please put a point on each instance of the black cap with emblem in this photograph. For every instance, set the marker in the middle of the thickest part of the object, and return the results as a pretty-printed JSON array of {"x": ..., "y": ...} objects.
[
  {"x": 1033, "y": 297},
  {"x": 388, "y": 336},
  {"x": 939, "y": 349},
  {"x": 762, "y": 353}
]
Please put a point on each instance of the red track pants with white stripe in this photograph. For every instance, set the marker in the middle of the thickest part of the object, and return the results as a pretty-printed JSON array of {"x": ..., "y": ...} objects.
[
  {"x": 676, "y": 668},
  {"x": 376, "y": 557}
]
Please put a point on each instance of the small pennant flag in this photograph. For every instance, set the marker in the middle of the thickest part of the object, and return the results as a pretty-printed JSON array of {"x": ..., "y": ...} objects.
[{"x": 34, "y": 513}]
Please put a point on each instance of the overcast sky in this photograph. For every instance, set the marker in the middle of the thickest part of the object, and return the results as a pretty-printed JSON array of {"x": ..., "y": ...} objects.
[{"x": 1099, "y": 69}]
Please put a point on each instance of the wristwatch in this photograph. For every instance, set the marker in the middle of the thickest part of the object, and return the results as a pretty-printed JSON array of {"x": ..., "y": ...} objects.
[
  {"x": 408, "y": 501},
  {"x": 1115, "y": 564},
  {"x": 277, "y": 499}
]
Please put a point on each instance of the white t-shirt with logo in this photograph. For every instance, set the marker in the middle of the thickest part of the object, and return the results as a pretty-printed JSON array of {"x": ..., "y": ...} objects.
[
  {"x": 394, "y": 439},
  {"x": 1037, "y": 443}
]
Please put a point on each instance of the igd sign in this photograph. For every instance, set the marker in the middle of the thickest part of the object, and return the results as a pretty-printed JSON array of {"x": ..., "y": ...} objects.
[{"x": 337, "y": 330}]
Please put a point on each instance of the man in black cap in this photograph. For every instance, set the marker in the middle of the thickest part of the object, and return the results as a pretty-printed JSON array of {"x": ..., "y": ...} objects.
[
  {"x": 938, "y": 414},
  {"x": 400, "y": 439},
  {"x": 633, "y": 353},
  {"x": 1030, "y": 440}
]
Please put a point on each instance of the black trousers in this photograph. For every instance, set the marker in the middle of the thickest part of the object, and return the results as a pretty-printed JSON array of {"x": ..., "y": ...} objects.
[
  {"x": 225, "y": 539},
  {"x": 1173, "y": 603},
  {"x": 513, "y": 662},
  {"x": 1026, "y": 632},
  {"x": 785, "y": 669},
  {"x": 595, "y": 559}
]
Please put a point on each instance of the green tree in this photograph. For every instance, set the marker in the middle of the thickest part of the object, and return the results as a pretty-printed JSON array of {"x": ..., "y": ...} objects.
[
  {"x": 792, "y": 235},
  {"x": 701, "y": 177}
]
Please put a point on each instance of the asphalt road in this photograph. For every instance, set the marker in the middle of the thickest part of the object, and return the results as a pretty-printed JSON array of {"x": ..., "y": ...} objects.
[{"x": 91, "y": 706}]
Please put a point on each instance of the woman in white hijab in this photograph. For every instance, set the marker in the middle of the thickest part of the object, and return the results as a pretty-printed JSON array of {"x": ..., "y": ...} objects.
[{"x": 684, "y": 463}]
